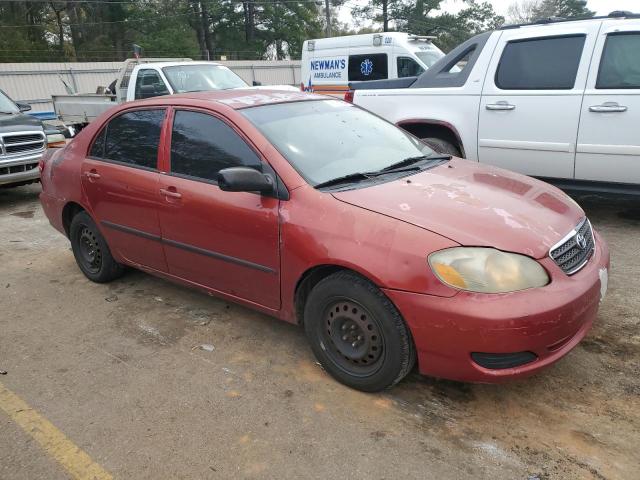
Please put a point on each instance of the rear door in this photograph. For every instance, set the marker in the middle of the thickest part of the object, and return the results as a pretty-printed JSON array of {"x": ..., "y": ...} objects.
[
  {"x": 120, "y": 181},
  {"x": 608, "y": 141},
  {"x": 530, "y": 106},
  {"x": 226, "y": 241}
]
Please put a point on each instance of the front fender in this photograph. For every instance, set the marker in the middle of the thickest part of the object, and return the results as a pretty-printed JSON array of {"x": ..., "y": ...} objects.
[{"x": 317, "y": 229}]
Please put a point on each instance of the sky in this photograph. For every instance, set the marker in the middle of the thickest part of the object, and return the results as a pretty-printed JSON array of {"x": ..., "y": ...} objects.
[{"x": 601, "y": 7}]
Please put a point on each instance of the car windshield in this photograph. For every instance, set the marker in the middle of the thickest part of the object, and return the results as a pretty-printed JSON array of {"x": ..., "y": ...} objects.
[
  {"x": 7, "y": 105},
  {"x": 328, "y": 139},
  {"x": 429, "y": 57},
  {"x": 199, "y": 77}
]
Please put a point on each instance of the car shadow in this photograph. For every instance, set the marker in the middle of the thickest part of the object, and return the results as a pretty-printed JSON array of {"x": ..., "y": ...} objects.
[{"x": 15, "y": 198}]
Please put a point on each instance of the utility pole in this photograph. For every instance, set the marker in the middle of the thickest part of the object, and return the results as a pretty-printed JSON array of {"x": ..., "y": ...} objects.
[{"x": 327, "y": 12}]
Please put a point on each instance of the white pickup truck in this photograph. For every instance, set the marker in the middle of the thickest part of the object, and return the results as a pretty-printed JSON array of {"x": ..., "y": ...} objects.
[
  {"x": 559, "y": 99},
  {"x": 146, "y": 78}
]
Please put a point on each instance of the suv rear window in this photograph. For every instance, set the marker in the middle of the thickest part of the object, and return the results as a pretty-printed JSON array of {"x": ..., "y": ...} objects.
[
  {"x": 368, "y": 67},
  {"x": 620, "y": 64},
  {"x": 549, "y": 63}
]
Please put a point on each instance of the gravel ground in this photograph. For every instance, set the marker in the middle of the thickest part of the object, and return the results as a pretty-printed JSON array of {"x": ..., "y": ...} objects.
[{"x": 119, "y": 369}]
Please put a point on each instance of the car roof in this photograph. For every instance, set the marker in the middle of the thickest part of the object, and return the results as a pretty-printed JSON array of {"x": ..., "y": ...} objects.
[
  {"x": 176, "y": 63},
  {"x": 248, "y": 97},
  {"x": 620, "y": 15}
]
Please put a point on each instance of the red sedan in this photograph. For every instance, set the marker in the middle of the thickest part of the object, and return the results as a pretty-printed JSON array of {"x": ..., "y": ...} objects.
[{"x": 317, "y": 212}]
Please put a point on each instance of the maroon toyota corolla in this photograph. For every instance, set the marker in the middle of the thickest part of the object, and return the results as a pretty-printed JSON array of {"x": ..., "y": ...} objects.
[{"x": 317, "y": 212}]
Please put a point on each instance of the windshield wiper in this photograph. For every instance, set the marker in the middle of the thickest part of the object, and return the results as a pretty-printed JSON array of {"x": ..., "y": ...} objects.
[
  {"x": 344, "y": 179},
  {"x": 405, "y": 165},
  {"x": 412, "y": 160},
  {"x": 358, "y": 176}
]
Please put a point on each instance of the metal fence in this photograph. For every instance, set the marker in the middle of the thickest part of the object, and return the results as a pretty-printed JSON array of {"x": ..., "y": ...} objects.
[{"x": 34, "y": 83}]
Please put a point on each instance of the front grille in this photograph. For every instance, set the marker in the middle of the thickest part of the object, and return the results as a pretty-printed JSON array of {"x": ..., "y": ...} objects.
[
  {"x": 14, "y": 144},
  {"x": 573, "y": 252},
  {"x": 11, "y": 139}
]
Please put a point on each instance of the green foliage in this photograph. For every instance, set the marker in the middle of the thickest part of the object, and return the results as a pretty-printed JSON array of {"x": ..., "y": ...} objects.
[
  {"x": 105, "y": 29},
  {"x": 423, "y": 17},
  {"x": 562, "y": 8},
  {"x": 527, "y": 11}
]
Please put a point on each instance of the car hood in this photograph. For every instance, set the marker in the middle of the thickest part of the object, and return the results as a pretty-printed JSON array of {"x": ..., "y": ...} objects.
[
  {"x": 17, "y": 122},
  {"x": 476, "y": 205},
  {"x": 288, "y": 88}
]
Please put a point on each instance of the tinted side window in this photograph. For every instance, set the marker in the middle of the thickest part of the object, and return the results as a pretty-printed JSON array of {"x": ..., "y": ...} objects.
[
  {"x": 408, "y": 67},
  {"x": 202, "y": 145},
  {"x": 540, "y": 64},
  {"x": 368, "y": 67},
  {"x": 620, "y": 64},
  {"x": 149, "y": 84},
  {"x": 133, "y": 138},
  {"x": 97, "y": 150}
]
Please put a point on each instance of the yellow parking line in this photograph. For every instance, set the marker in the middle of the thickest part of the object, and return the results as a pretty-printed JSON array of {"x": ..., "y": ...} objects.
[{"x": 77, "y": 463}]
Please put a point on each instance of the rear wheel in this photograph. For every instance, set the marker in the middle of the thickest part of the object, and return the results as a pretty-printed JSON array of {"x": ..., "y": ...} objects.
[
  {"x": 357, "y": 334},
  {"x": 442, "y": 146},
  {"x": 91, "y": 251}
]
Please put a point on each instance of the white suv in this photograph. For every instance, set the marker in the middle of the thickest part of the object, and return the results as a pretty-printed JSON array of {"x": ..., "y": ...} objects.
[{"x": 558, "y": 99}]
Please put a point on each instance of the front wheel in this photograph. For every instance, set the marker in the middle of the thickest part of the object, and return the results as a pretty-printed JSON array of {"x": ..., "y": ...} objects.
[
  {"x": 357, "y": 334},
  {"x": 91, "y": 250}
]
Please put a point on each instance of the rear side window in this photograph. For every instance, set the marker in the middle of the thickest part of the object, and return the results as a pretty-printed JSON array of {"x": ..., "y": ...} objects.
[
  {"x": 368, "y": 67},
  {"x": 549, "y": 63},
  {"x": 202, "y": 145},
  {"x": 408, "y": 67},
  {"x": 133, "y": 138},
  {"x": 620, "y": 64}
]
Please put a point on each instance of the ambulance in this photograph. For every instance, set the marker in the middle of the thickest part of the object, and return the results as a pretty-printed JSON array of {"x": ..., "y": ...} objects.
[{"x": 329, "y": 64}]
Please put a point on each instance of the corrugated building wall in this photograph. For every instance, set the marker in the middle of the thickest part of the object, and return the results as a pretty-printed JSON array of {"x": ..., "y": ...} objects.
[{"x": 34, "y": 83}]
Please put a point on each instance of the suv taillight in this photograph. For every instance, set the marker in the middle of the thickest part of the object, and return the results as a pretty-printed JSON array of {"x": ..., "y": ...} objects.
[{"x": 348, "y": 96}]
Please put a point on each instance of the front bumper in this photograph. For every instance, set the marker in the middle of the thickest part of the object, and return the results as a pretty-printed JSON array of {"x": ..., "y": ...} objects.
[
  {"x": 547, "y": 321},
  {"x": 20, "y": 170}
]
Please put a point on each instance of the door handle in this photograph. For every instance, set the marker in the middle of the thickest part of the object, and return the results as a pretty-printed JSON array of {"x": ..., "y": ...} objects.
[
  {"x": 170, "y": 193},
  {"x": 92, "y": 175},
  {"x": 608, "y": 107},
  {"x": 500, "y": 106}
]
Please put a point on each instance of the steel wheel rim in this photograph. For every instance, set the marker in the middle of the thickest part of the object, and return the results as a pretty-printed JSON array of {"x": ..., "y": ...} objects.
[
  {"x": 351, "y": 337},
  {"x": 89, "y": 250}
]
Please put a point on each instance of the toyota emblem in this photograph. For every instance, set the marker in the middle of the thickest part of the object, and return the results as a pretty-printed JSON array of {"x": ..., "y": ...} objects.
[{"x": 581, "y": 241}]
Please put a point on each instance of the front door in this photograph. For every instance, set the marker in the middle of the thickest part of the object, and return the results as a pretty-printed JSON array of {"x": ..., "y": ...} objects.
[
  {"x": 226, "y": 241},
  {"x": 530, "y": 106},
  {"x": 608, "y": 141},
  {"x": 120, "y": 182}
]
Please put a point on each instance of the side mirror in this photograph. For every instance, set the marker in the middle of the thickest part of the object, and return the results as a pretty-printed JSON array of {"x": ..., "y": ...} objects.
[
  {"x": 23, "y": 107},
  {"x": 244, "y": 179},
  {"x": 256, "y": 84}
]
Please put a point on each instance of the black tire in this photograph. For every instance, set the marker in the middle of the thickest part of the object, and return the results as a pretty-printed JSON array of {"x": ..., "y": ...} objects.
[
  {"x": 91, "y": 250},
  {"x": 442, "y": 146},
  {"x": 357, "y": 334}
]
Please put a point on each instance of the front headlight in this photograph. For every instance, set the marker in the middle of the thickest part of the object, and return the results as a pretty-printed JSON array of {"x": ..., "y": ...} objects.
[{"x": 486, "y": 270}]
